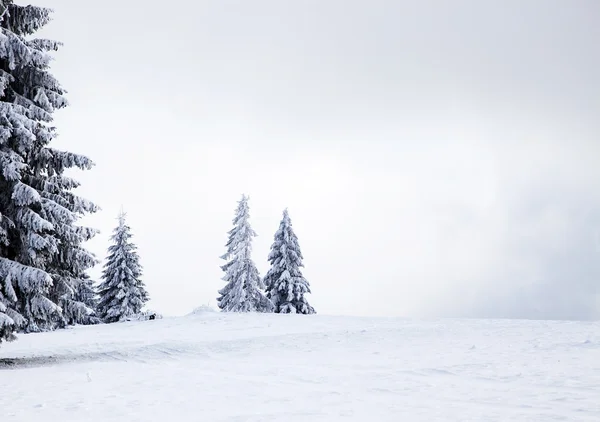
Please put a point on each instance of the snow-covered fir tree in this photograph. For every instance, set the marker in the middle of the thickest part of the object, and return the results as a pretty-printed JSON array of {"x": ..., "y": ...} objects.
[
  {"x": 285, "y": 284},
  {"x": 41, "y": 253},
  {"x": 242, "y": 293},
  {"x": 122, "y": 292}
]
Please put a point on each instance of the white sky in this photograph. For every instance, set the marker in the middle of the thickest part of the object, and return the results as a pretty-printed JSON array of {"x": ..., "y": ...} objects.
[{"x": 437, "y": 158}]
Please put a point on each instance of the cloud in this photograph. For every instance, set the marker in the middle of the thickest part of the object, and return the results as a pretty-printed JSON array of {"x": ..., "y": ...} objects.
[{"x": 436, "y": 159}]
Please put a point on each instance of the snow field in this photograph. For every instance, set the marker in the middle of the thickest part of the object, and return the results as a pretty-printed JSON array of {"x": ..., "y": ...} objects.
[{"x": 269, "y": 367}]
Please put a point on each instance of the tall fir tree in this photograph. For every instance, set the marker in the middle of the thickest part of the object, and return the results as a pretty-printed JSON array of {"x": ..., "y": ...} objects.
[
  {"x": 242, "y": 293},
  {"x": 41, "y": 254},
  {"x": 122, "y": 292},
  {"x": 285, "y": 284}
]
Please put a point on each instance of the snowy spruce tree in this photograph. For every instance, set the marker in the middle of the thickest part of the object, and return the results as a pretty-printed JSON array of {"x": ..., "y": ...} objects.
[
  {"x": 242, "y": 293},
  {"x": 285, "y": 284},
  {"x": 122, "y": 292},
  {"x": 41, "y": 255}
]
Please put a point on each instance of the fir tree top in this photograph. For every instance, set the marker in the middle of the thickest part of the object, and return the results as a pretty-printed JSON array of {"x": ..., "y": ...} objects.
[
  {"x": 285, "y": 250},
  {"x": 240, "y": 236}
]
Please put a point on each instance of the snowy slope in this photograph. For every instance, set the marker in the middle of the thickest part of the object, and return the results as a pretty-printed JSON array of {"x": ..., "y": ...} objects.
[{"x": 216, "y": 367}]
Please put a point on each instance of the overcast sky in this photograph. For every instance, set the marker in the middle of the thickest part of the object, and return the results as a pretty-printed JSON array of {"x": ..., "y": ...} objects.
[{"x": 438, "y": 158}]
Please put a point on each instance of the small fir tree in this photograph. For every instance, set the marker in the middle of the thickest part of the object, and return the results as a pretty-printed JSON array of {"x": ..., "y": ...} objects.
[
  {"x": 242, "y": 293},
  {"x": 285, "y": 284},
  {"x": 122, "y": 292}
]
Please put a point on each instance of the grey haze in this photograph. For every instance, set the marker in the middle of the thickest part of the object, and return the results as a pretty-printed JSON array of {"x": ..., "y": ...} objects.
[{"x": 438, "y": 158}]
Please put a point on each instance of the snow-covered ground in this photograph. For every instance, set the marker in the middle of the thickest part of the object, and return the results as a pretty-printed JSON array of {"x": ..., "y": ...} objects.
[{"x": 215, "y": 367}]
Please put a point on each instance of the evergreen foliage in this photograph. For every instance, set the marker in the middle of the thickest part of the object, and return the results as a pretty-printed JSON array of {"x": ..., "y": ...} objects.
[
  {"x": 242, "y": 292},
  {"x": 86, "y": 294},
  {"x": 285, "y": 284},
  {"x": 122, "y": 292},
  {"x": 42, "y": 259}
]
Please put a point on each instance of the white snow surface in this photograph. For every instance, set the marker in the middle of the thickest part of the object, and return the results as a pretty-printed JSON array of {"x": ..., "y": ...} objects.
[{"x": 268, "y": 367}]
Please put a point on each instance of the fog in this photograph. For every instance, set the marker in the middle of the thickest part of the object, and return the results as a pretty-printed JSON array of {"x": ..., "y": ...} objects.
[{"x": 437, "y": 158}]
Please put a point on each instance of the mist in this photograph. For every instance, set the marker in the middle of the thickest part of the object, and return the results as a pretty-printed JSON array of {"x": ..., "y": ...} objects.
[{"x": 437, "y": 159}]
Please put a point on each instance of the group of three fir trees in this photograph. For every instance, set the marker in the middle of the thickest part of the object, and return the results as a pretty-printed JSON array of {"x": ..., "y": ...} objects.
[{"x": 123, "y": 294}]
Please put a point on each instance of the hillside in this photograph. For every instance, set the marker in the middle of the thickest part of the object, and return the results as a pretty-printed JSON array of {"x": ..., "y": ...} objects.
[{"x": 217, "y": 367}]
